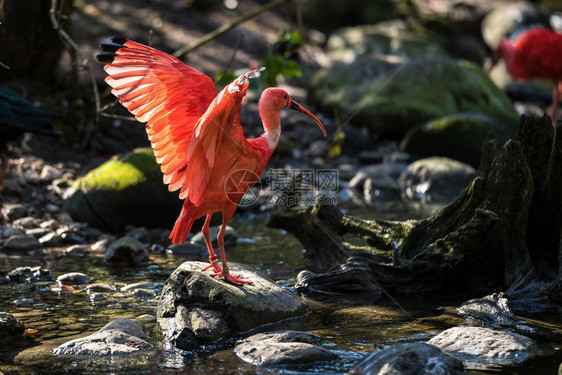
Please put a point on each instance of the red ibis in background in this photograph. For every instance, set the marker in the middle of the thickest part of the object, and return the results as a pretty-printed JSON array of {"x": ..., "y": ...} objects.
[
  {"x": 537, "y": 53},
  {"x": 196, "y": 134}
]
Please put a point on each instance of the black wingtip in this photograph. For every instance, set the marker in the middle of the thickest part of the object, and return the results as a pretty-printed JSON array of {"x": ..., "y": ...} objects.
[
  {"x": 109, "y": 47},
  {"x": 118, "y": 40},
  {"x": 106, "y": 58}
]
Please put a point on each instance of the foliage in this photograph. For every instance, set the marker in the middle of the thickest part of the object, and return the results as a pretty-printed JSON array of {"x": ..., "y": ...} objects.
[{"x": 279, "y": 60}]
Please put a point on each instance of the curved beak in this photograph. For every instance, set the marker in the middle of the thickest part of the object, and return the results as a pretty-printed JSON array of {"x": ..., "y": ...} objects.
[{"x": 297, "y": 107}]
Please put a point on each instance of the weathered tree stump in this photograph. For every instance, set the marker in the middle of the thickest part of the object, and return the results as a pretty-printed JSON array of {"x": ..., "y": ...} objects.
[{"x": 503, "y": 231}]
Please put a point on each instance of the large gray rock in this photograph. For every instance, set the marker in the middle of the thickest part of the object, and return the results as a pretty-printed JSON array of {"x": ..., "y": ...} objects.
[
  {"x": 127, "y": 189},
  {"x": 481, "y": 347},
  {"x": 421, "y": 90},
  {"x": 492, "y": 309},
  {"x": 196, "y": 308},
  {"x": 409, "y": 358},
  {"x": 282, "y": 348},
  {"x": 435, "y": 179},
  {"x": 118, "y": 337}
]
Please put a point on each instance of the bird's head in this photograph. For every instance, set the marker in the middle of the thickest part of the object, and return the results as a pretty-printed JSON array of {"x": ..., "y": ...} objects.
[
  {"x": 505, "y": 50},
  {"x": 275, "y": 99}
]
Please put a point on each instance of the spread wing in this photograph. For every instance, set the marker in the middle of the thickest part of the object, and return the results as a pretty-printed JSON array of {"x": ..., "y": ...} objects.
[
  {"x": 218, "y": 142},
  {"x": 165, "y": 93}
]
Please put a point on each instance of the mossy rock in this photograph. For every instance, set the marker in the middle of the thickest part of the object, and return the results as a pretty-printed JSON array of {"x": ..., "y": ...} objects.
[
  {"x": 127, "y": 189},
  {"x": 419, "y": 91},
  {"x": 458, "y": 136}
]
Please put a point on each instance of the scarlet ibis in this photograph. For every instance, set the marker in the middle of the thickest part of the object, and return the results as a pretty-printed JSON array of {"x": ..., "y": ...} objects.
[
  {"x": 18, "y": 116},
  {"x": 537, "y": 53},
  {"x": 196, "y": 134}
]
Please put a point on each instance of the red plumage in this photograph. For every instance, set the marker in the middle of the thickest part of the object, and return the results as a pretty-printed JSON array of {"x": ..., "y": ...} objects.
[{"x": 196, "y": 134}]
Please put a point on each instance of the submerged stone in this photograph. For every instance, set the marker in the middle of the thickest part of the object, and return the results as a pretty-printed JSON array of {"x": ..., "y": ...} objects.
[
  {"x": 196, "y": 308},
  {"x": 127, "y": 250},
  {"x": 409, "y": 358},
  {"x": 118, "y": 337},
  {"x": 484, "y": 347},
  {"x": 283, "y": 348}
]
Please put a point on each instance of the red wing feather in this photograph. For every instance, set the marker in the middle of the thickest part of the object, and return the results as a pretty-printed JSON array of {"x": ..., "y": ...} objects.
[{"x": 166, "y": 94}]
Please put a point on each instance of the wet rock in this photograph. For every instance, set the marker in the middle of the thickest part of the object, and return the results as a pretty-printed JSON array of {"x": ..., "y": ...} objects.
[
  {"x": 11, "y": 187},
  {"x": 29, "y": 274},
  {"x": 435, "y": 179},
  {"x": 207, "y": 325},
  {"x": 118, "y": 337},
  {"x": 101, "y": 287},
  {"x": 127, "y": 250},
  {"x": 383, "y": 176},
  {"x": 24, "y": 302},
  {"x": 50, "y": 224},
  {"x": 37, "y": 232},
  {"x": 140, "y": 284},
  {"x": 458, "y": 136},
  {"x": 94, "y": 297},
  {"x": 230, "y": 237},
  {"x": 73, "y": 278},
  {"x": 31, "y": 177},
  {"x": 51, "y": 239},
  {"x": 50, "y": 173},
  {"x": 25, "y": 222},
  {"x": 21, "y": 243},
  {"x": 482, "y": 347},
  {"x": 143, "y": 293},
  {"x": 409, "y": 358},
  {"x": 110, "y": 196},
  {"x": 14, "y": 211},
  {"x": 11, "y": 231},
  {"x": 101, "y": 245},
  {"x": 422, "y": 90},
  {"x": 283, "y": 348},
  {"x": 346, "y": 283},
  {"x": 140, "y": 234},
  {"x": 188, "y": 250},
  {"x": 10, "y": 326},
  {"x": 492, "y": 309},
  {"x": 77, "y": 250},
  {"x": 241, "y": 307},
  {"x": 146, "y": 318}
]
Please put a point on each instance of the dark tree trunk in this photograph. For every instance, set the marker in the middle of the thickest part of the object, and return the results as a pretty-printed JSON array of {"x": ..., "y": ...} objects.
[
  {"x": 29, "y": 44},
  {"x": 503, "y": 232}
]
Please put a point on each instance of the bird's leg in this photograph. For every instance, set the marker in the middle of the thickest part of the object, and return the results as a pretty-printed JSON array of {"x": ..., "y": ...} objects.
[
  {"x": 555, "y": 98},
  {"x": 225, "y": 270},
  {"x": 212, "y": 256}
]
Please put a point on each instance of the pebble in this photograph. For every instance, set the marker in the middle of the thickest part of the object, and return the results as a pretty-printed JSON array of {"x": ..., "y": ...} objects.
[
  {"x": 50, "y": 173},
  {"x": 101, "y": 287},
  {"x": 50, "y": 224},
  {"x": 127, "y": 250},
  {"x": 143, "y": 293},
  {"x": 11, "y": 231},
  {"x": 29, "y": 274},
  {"x": 229, "y": 236},
  {"x": 32, "y": 177},
  {"x": 24, "y": 302},
  {"x": 37, "y": 232},
  {"x": 11, "y": 187},
  {"x": 77, "y": 250},
  {"x": 25, "y": 222},
  {"x": 146, "y": 318},
  {"x": 101, "y": 245},
  {"x": 10, "y": 326},
  {"x": 14, "y": 211},
  {"x": 96, "y": 297},
  {"x": 139, "y": 285},
  {"x": 73, "y": 278}
]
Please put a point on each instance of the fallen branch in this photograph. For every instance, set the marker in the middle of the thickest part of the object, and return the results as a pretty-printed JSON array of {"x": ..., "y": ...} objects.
[{"x": 223, "y": 29}]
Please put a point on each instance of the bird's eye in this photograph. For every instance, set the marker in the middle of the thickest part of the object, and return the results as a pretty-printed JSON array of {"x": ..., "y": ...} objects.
[{"x": 285, "y": 96}]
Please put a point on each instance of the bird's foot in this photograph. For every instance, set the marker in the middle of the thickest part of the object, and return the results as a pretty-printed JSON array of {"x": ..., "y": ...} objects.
[
  {"x": 214, "y": 264},
  {"x": 234, "y": 280}
]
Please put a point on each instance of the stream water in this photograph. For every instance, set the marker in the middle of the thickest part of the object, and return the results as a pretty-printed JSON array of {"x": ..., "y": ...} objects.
[{"x": 349, "y": 331}]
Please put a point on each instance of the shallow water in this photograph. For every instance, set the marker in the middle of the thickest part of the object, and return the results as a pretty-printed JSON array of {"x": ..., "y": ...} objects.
[{"x": 349, "y": 331}]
